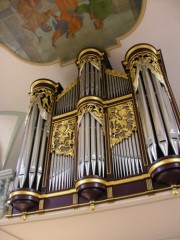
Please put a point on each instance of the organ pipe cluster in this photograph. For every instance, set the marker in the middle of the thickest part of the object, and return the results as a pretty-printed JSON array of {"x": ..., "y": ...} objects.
[{"x": 106, "y": 129}]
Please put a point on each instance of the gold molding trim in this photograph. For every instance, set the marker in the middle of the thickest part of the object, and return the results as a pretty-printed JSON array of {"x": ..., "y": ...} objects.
[
  {"x": 46, "y": 81},
  {"x": 42, "y": 196},
  {"x": 128, "y": 180},
  {"x": 25, "y": 192},
  {"x": 90, "y": 180},
  {"x": 107, "y": 184},
  {"x": 93, "y": 99},
  {"x": 139, "y": 46},
  {"x": 66, "y": 90},
  {"x": 99, "y": 100},
  {"x": 86, "y": 51},
  {"x": 65, "y": 115},
  {"x": 73, "y": 190},
  {"x": 114, "y": 100},
  {"x": 163, "y": 162},
  {"x": 116, "y": 73},
  {"x": 96, "y": 202},
  {"x": 89, "y": 98}
]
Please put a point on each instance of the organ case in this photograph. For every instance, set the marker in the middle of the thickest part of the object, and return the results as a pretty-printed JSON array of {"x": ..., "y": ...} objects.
[{"x": 108, "y": 136}]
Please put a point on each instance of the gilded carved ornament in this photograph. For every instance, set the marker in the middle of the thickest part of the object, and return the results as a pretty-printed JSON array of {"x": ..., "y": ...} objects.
[
  {"x": 95, "y": 109},
  {"x": 93, "y": 59},
  {"x": 44, "y": 99},
  {"x": 121, "y": 122},
  {"x": 63, "y": 137},
  {"x": 149, "y": 60}
]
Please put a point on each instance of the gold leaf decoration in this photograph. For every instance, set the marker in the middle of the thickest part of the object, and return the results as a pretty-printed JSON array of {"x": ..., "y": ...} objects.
[
  {"x": 45, "y": 96},
  {"x": 146, "y": 58},
  {"x": 63, "y": 137},
  {"x": 121, "y": 122},
  {"x": 116, "y": 73},
  {"x": 95, "y": 109},
  {"x": 93, "y": 59}
]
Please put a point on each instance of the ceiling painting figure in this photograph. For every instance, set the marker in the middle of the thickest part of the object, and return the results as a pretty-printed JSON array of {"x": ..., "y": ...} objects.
[
  {"x": 43, "y": 31},
  {"x": 68, "y": 22},
  {"x": 33, "y": 18}
]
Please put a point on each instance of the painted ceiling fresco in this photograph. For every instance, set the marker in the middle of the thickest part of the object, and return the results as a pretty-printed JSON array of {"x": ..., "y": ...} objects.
[{"x": 46, "y": 30}]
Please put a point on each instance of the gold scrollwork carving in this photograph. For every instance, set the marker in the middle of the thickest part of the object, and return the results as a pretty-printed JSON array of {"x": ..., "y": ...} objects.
[
  {"x": 63, "y": 137},
  {"x": 93, "y": 59},
  {"x": 45, "y": 96},
  {"x": 116, "y": 73},
  {"x": 95, "y": 109},
  {"x": 146, "y": 58},
  {"x": 121, "y": 122}
]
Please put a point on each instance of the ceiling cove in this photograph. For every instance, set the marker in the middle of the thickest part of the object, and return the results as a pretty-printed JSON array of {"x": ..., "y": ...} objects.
[{"x": 42, "y": 31}]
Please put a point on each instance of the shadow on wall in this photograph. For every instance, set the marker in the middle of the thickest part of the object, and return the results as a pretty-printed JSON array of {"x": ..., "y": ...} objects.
[{"x": 11, "y": 125}]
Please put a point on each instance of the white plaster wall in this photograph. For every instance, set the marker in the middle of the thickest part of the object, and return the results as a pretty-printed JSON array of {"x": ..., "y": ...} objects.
[
  {"x": 10, "y": 125},
  {"x": 16, "y": 76},
  {"x": 7, "y": 124}
]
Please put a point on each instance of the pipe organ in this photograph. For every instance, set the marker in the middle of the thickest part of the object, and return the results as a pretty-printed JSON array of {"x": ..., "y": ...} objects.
[{"x": 108, "y": 136}]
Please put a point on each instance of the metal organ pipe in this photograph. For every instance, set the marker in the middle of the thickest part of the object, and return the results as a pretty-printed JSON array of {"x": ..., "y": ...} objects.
[
  {"x": 90, "y": 81},
  {"x": 35, "y": 151},
  {"x": 91, "y": 147},
  {"x": 81, "y": 148},
  {"x": 61, "y": 175},
  {"x": 93, "y": 79},
  {"x": 155, "y": 111},
  {"x": 159, "y": 123},
  {"x": 67, "y": 100},
  {"x": 87, "y": 143},
  {"x": 82, "y": 82},
  {"x": 126, "y": 160},
  {"x": 146, "y": 122},
  {"x": 159, "y": 114},
  {"x": 117, "y": 84},
  {"x": 31, "y": 159},
  {"x": 168, "y": 115}
]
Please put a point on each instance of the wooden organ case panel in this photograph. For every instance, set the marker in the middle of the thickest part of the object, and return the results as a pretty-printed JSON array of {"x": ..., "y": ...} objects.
[{"x": 108, "y": 136}]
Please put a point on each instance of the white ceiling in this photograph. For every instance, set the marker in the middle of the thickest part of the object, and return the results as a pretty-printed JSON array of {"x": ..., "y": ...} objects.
[{"x": 150, "y": 218}]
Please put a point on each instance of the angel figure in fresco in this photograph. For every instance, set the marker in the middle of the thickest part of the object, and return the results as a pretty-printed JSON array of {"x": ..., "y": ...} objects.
[
  {"x": 98, "y": 11},
  {"x": 32, "y": 17},
  {"x": 69, "y": 22}
]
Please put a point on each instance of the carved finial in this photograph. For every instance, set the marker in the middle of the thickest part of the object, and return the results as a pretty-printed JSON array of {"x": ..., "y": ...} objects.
[
  {"x": 92, "y": 206},
  {"x": 24, "y": 216},
  {"x": 174, "y": 190}
]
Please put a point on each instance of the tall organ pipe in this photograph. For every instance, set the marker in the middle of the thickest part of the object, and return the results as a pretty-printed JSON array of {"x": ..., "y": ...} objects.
[
  {"x": 91, "y": 159},
  {"x": 155, "y": 111},
  {"x": 31, "y": 159},
  {"x": 167, "y": 112},
  {"x": 158, "y": 112}
]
